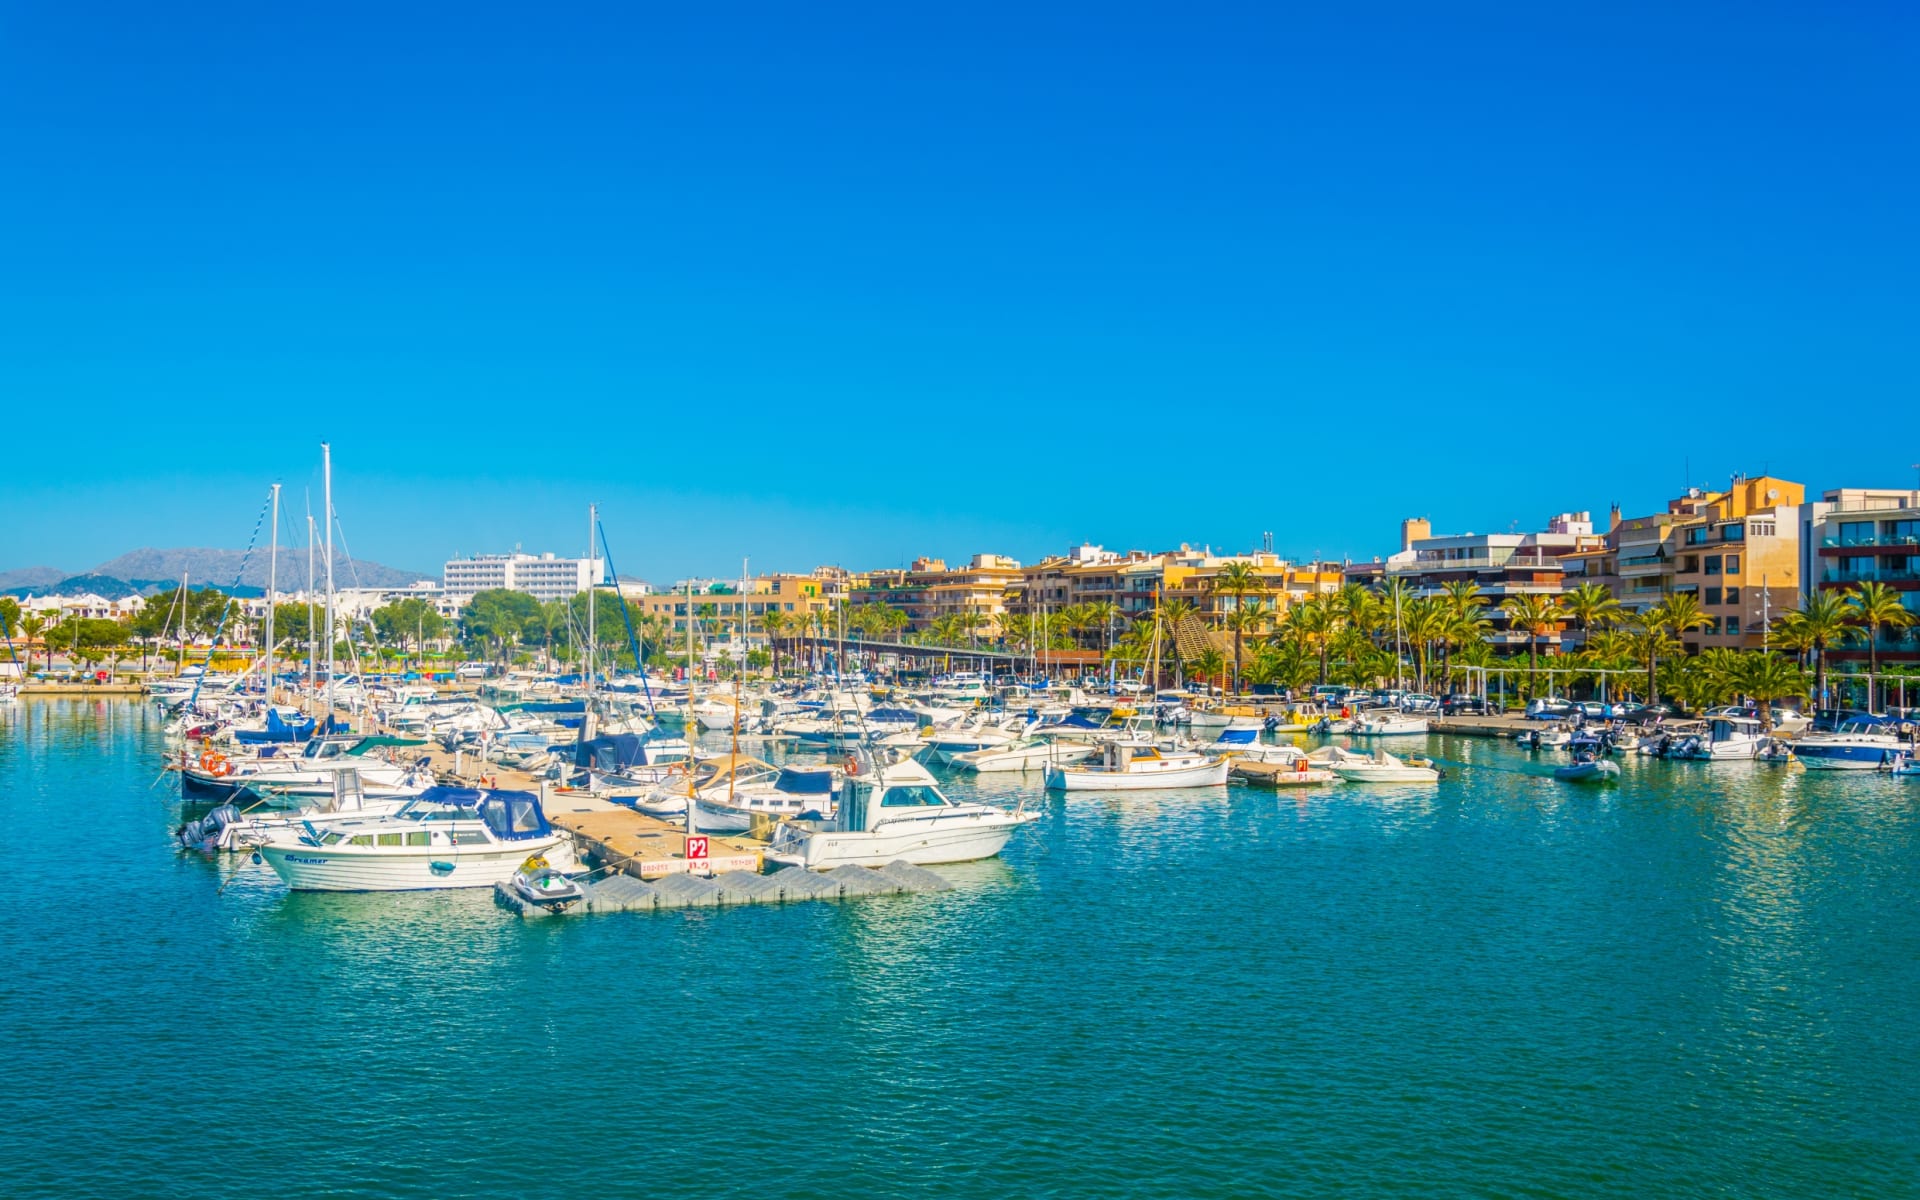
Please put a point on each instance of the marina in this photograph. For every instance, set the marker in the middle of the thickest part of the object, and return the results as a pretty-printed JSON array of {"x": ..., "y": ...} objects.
[{"x": 1423, "y": 929}]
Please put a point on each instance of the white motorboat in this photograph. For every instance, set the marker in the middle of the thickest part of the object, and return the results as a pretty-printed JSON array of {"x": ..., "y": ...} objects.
[
  {"x": 1027, "y": 754},
  {"x": 1131, "y": 766},
  {"x": 1862, "y": 744},
  {"x": 896, "y": 813},
  {"x": 1387, "y": 723},
  {"x": 1381, "y": 767},
  {"x": 428, "y": 844},
  {"x": 1725, "y": 738},
  {"x": 215, "y": 774}
]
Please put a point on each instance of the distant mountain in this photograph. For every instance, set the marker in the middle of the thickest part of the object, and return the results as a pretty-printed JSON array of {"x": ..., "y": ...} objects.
[
  {"x": 144, "y": 572},
  {"x": 29, "y": 578}
]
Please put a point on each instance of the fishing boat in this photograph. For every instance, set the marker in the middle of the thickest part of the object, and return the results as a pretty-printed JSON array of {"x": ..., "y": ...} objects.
[
  {"x": 1027, "y": 754},
  {"x": 896, "y": 813},
  {"x": 1132, "y": 766},
  {"x": 437, "y": 841}
]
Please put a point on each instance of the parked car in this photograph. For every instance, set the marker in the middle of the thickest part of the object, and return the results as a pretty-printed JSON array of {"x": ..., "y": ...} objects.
[
  {"x": 1458, "y": 705},
  {"x": 1419, "y": 702},
  {"x": 1826, "y": 720},
  {"x": 1594, "y": 710},
  {"x": 1549, "y": 708}
]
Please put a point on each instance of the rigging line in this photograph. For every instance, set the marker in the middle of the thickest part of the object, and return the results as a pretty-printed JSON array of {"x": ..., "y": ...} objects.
[
  {"x": 227, "y": 609},
  {"x": 639, "y": 663}
]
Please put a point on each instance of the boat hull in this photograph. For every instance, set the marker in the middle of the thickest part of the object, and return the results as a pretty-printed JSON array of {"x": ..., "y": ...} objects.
[
  {"x": 336, "y": 869},
  {"x": 1845, "y": 756},
  {"x": 924, "y": 843},
  {"x": 1091, "y": 779}
]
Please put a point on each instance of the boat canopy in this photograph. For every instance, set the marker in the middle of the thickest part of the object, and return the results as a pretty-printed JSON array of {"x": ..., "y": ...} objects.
[
  {"x": 894, "y": 716},
  {"x": 1239, "y": 737},
  {"x": 514, "y": 816},
  {"x": 805, "y": 783},
  {"x": 618, "y": 751}
]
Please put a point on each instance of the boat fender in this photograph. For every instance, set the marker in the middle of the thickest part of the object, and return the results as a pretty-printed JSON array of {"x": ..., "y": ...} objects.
[{"x": 853, "y": 765}]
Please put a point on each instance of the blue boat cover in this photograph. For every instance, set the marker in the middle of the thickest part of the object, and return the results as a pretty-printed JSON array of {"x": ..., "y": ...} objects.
[
  {"x": 804, "y": 783},
  {"x": 514, "y": 816},
  {"x": 1239, "y": 737}
]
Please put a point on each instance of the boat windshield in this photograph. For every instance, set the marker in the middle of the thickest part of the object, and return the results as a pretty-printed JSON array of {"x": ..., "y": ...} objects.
[{"x": 913, "y": 796}]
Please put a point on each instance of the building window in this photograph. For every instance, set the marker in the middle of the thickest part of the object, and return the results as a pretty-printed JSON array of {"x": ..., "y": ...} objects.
[
  {"x": 1713, "y": 595},
  {"x": 1733, "y": 595},
  {"x": 1733, "y": 626},
  {"x": 1696, "y": 537},
  {"x": 1732, "y": 533},
  {"x": 1712, "y": 627},
  {"x": 1760, "y": 528},
  {"x": 1903, "y": 533},
  {"x": 1713, "y": 564},
  {"x": 1689, "y": 564},
  {"x": 1733, "y": 564},
  {"x": 1856, "y": 533}
]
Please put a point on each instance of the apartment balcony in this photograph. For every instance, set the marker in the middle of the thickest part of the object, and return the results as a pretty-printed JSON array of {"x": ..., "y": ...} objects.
[
  {"x": 1870, "y": 542},
  {"x": 1836, "y": 575},
  {"x": 1449, "y": 566}
]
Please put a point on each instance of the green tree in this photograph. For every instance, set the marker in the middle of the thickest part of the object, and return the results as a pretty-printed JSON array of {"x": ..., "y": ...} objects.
[
  {"x": 1591, "y": 606},
  {"x": 1209, "y": 665},
  {"x": 1875, "y": 606},
  {"x": 1823, "y": 622},
  {"x": 1536, "y": 616},
  {"x": 1246, "y": 617},
  {"x": 497, "y": 619},
  {"x": 9, "y": 615},
  {"x": 1657, "y": 628}
]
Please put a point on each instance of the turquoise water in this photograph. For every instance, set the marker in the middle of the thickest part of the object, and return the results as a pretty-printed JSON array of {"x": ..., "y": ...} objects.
[{"x": 1701, "y": 982}]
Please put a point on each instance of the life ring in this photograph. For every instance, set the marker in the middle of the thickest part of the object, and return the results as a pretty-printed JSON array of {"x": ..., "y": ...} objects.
[
  {"x": 853, "y": 765},
  {"x": 215, "y": 764}
]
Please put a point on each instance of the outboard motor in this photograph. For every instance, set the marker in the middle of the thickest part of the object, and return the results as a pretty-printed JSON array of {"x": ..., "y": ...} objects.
[{"x": 1271, "y": 724}]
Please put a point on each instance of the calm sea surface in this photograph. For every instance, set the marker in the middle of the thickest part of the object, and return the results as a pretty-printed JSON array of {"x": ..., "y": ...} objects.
[{"x": 1701, "y": 982}]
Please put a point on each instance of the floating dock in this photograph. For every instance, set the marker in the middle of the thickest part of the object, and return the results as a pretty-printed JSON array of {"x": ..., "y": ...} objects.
[{"x": 624, "y": 893}]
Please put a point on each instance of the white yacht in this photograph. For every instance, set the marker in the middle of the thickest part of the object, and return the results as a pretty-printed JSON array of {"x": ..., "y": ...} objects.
[
  {"x": 427, "y": 844},
  {"x": 896, "y": 813},
  {"x": 1132, "y": 766},
  {"x": 1861, "y": 744}
]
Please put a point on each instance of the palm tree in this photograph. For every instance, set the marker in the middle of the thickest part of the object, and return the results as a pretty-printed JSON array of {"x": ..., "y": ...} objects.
[
  {"x": 1591, "y": 607},
  {"x": 31, "y": 628},
  {"x": 774, "y": 624},
  {"x": 1314, "y": 623},
  {"x": 1819, "y": 624},
  {"x": 1102, "y": 615},
  {"x": 1209, "y": 664},
  {"x": 1876, "y": 606},
  {"x": 1538, "y": 615},
  {"x": 1246, "y": 617},
  {"x": 1768, "y": 677},
  {"x": 1657, "y": 627}
]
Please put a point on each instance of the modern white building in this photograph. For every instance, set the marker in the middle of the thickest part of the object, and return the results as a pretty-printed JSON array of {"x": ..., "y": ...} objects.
[{"x": 540, "y": 575}]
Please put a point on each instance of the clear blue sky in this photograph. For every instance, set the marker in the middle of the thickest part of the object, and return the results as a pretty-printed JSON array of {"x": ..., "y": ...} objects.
[{"x": 854, "y": 283}]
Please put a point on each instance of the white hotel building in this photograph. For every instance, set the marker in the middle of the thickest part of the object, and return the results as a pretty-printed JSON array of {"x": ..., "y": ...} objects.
[{"x": 542, "y": 576}]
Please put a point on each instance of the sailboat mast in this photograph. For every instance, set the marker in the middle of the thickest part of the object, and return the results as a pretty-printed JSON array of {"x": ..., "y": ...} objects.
[
  {"x": 326, "y": 514},
  {"x": 273, "y": 580},
  {"x": 312, "y": 645},
  {"x": 593, "y": 600}
]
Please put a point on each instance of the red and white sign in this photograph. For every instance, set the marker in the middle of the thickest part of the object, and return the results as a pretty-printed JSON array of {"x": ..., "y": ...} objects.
[{"x": 696, "y": 847}]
